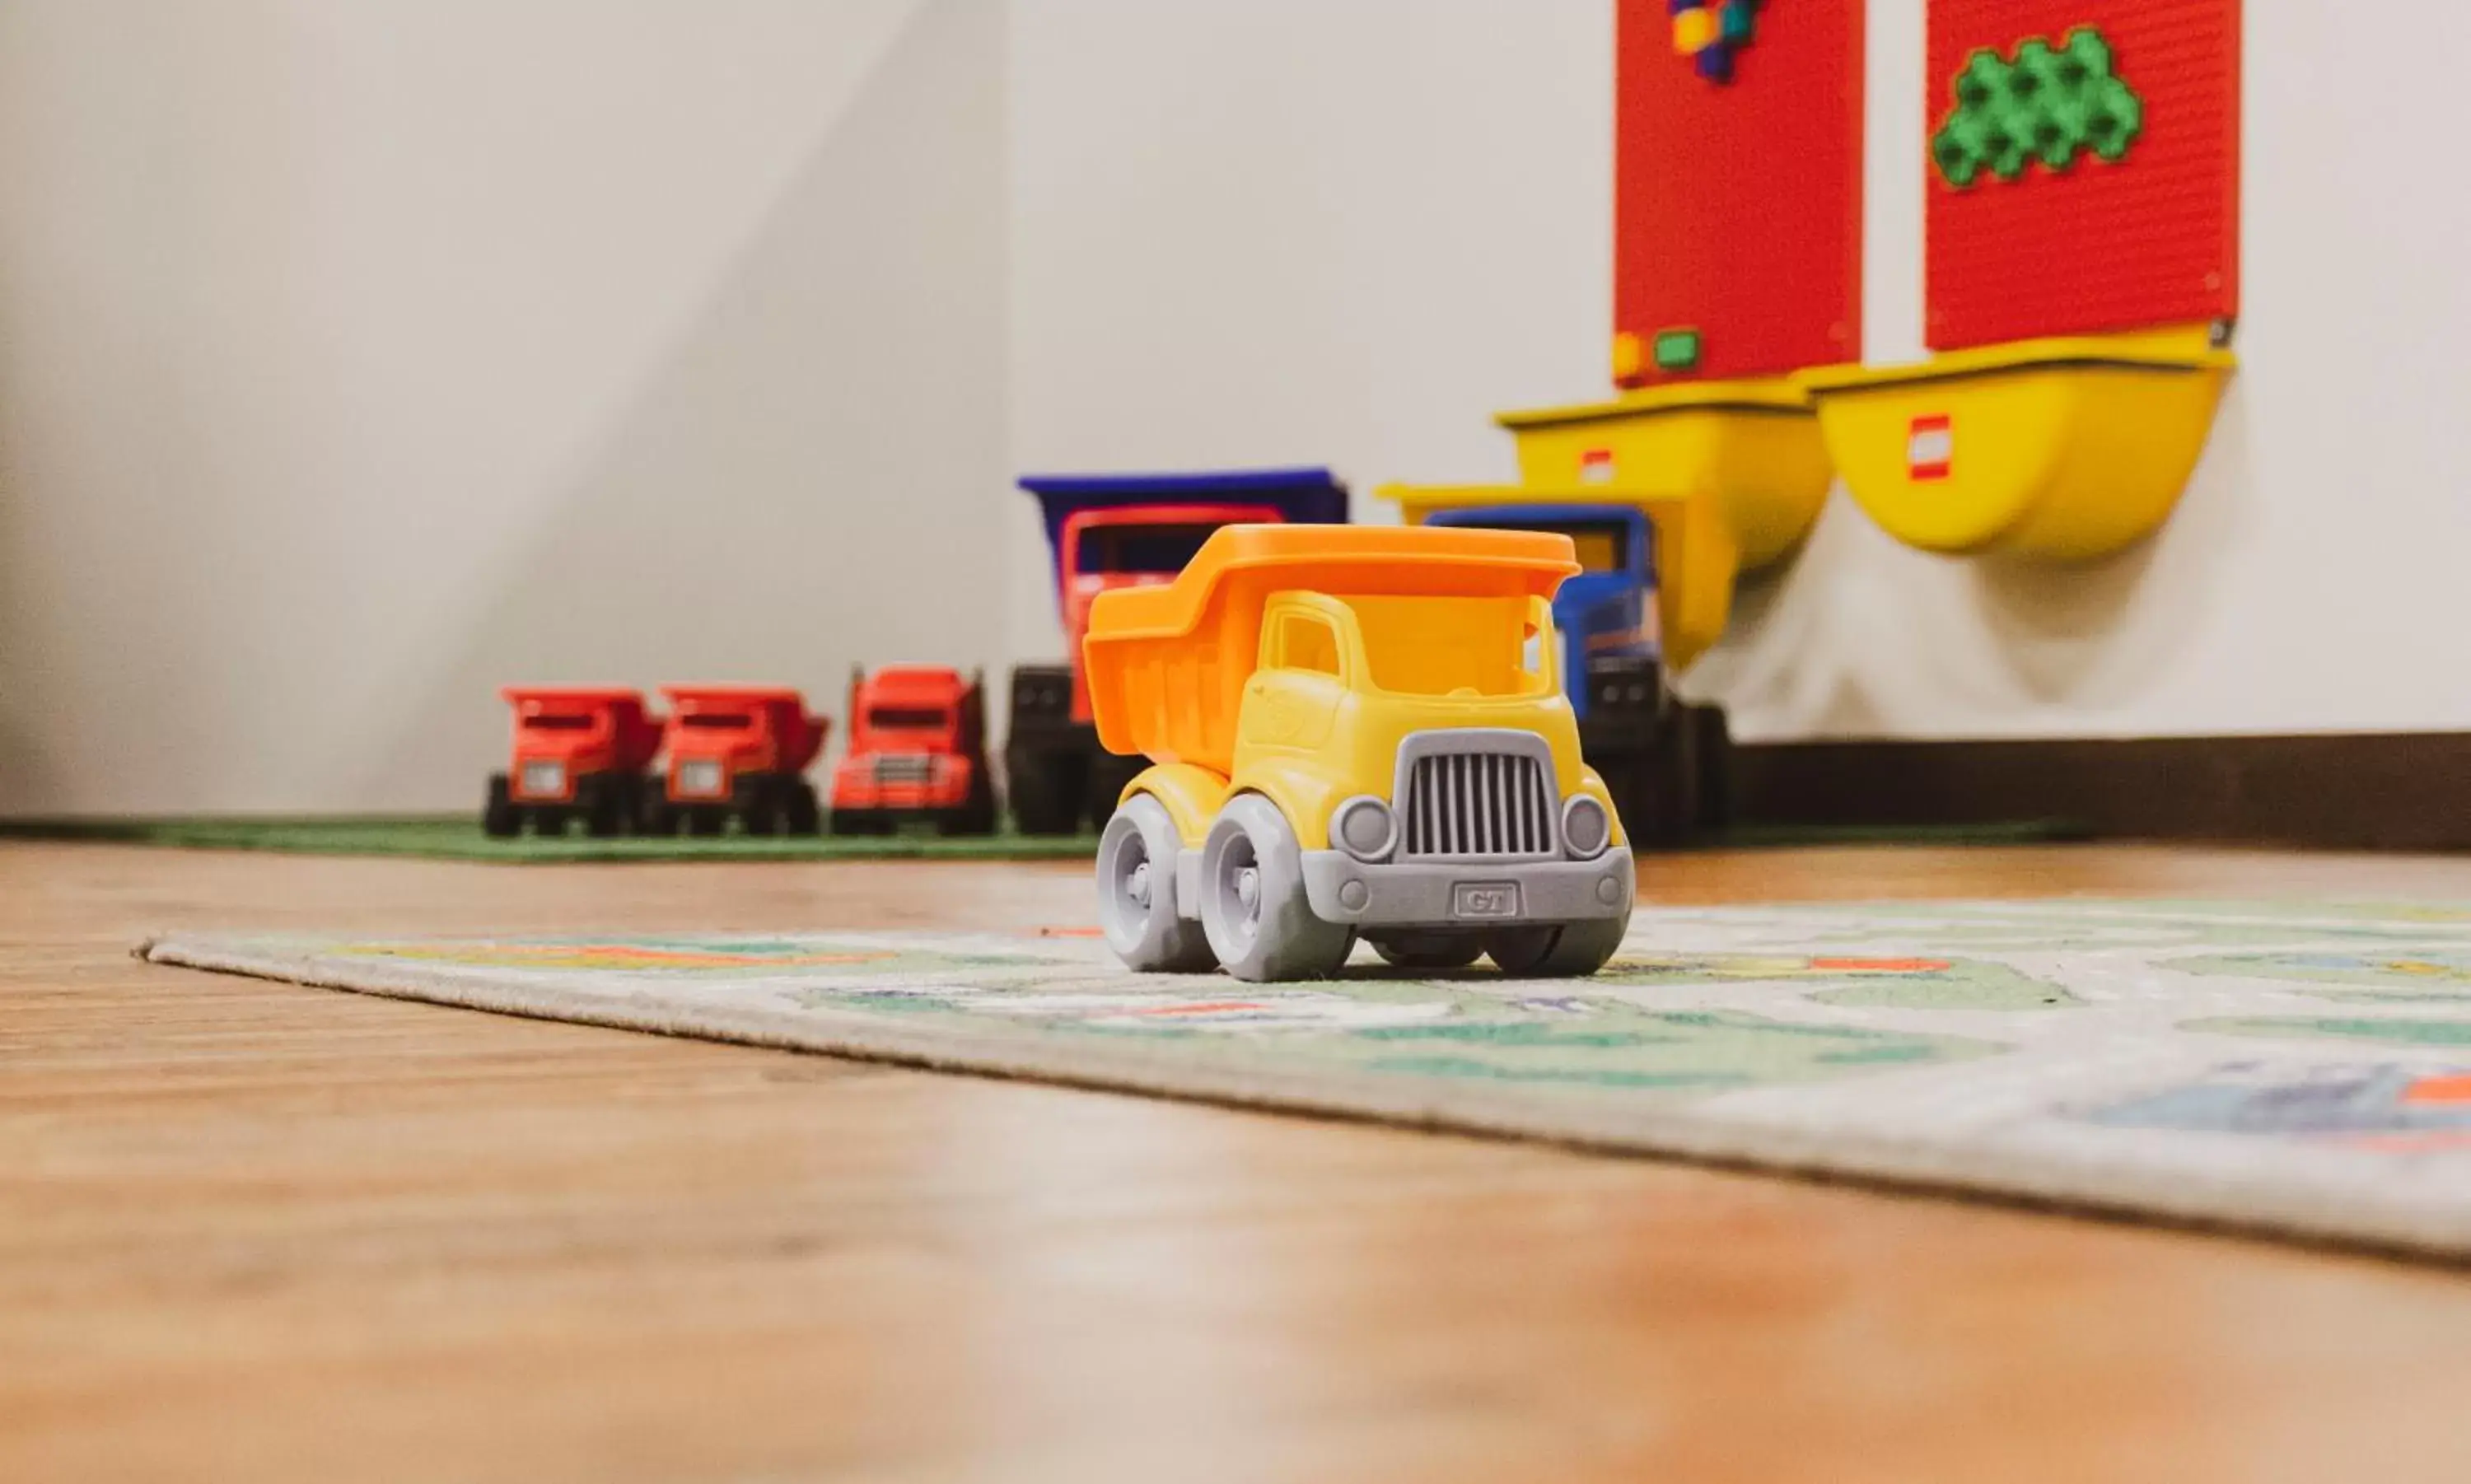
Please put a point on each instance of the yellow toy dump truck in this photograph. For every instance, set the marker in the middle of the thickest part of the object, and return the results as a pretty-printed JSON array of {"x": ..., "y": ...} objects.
[{"x": 1354, "y": 731}]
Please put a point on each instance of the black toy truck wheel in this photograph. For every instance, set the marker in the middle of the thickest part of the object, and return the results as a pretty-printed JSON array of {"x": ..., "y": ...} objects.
[
  {"x": 848, "y": 822},
  {"x": 1667, "y": 790},
  {"x": 800, "y": 814},
  {"x": 975, "y": 815},
  {"x": 1648, "y": 786},
  {"x": 760, "y": 809},
  {"x": 1109, "y": 776},
  {"x": 603, "y": 802},
  {"x": 1711, "y": 746},
  {"x": 498, "y": 817},
  {"x": 1047, "y": 790}
]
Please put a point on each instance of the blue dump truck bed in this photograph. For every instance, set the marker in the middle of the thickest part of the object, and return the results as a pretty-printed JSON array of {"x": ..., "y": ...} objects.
[{"x": 1305, "y": 496}]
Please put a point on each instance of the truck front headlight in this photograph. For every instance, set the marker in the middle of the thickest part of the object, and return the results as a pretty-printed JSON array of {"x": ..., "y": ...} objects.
[
  {"x": 1365, "y": 827},
  {"x": 1587, "y": 829}
]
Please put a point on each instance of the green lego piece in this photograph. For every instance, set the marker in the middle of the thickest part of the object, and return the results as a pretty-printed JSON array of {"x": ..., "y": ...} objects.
[
  {"x": 1984, "y": 79},
  {"x": 2006, "y": 150},
  {"x": 1677, "y": 350},
  {"x": 2064, "y": 126},
  {"x": 2119, "y": 118},
  {"x": 2030, "y": 76},
  {"x": 2089, "y": 52},
  {"x": 2041, "y": 103},
  {"x": 1956, "y": 148}
]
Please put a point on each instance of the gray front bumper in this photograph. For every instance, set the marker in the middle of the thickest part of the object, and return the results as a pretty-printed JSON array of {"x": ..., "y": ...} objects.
[{"x": 1468, "y": 894}]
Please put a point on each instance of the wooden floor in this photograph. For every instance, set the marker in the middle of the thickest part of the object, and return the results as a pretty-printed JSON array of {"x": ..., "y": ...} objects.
[{"x": 253, "y": 1231}]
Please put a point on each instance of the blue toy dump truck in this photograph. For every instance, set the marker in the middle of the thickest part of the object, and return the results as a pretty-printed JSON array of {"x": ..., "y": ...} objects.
[
  {"x": 1123, "y": 530},
  {"x": 1665, "y": 759}
]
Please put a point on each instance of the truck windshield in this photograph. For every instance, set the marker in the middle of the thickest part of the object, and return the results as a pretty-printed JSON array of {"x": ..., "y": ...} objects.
[
  {"x": 1152, "y": 550},
  {"x": 1602, "y": 546},
  {"x": 557, "y": 721},
  {"x": 1452, "y": 646},
  {"x": 716, "y": 721},
  {"x": 907, "y": 718}
]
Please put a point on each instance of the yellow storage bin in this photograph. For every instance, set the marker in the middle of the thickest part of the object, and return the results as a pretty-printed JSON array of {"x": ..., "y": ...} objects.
[
  {"x": 2062, "y": 449},
  {"x": 1696, "y": 557},
  {"x": 1750, "y": 448}
]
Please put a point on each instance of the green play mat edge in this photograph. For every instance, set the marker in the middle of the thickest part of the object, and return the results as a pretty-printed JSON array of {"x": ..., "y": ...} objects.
[{"x": 459, "y": 837}]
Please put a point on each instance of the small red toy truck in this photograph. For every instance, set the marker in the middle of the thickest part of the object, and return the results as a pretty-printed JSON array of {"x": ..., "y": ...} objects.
[
  {"x": 917, "y": 751},
  {"x": 579, "y": 754},
  {"x": 738, "y": 752}
]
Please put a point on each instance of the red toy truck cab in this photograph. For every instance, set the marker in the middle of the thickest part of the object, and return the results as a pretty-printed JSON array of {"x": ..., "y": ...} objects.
[
  {"x": 917, "y": 751},
  {"x": 738, "y": 752},
  {"x": 579, "y": 754},
  {"x": 1132, "y": 546}
]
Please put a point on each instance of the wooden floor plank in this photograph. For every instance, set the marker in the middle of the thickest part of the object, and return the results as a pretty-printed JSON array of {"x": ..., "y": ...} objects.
[{"x": 256, "y": 1232}]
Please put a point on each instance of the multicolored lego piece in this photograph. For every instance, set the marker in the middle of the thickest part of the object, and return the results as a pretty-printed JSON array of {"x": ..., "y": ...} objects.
[{"x": 1710, "y": 32}]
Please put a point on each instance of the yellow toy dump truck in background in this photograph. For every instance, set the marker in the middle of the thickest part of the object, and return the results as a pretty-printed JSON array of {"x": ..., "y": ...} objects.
[{"x": 1355, "y": 731}]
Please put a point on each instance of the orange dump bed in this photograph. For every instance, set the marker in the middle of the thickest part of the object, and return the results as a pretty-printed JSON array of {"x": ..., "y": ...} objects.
[
  {"x": 1168, "y": 664},
  {"x": 779, "y": 710},
  {"x": 634, "y": 734}
]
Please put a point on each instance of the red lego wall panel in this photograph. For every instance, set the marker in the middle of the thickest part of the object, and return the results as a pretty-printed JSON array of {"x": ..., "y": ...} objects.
[
  {"x": 1738, "y": 200},
  {"x": 2147, "y": 239}
]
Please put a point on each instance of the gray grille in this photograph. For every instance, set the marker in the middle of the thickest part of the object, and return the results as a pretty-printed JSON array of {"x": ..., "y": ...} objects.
[
  {"x": 905, "y": 767},
  {"x": 1478, "y": 803}
]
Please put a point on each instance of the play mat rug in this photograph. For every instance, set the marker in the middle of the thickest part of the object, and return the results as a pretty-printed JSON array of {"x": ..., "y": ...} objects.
[{"x": 2302, "y": 1068}]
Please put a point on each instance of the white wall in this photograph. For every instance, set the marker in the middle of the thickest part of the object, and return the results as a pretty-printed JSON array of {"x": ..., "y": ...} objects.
[
  {"x": 1271, "y": 229},
  {"x": 357, "y": 359},
  {"x": 1293, "y": 231}
]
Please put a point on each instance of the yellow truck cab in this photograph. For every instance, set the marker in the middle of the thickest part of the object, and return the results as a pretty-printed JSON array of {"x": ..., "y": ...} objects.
[{"x": 1355, "y": 731}]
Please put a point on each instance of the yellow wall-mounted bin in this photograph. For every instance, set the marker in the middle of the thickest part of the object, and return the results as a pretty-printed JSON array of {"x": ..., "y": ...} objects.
[
  {"x": 1695, "y": 555},
  {"x": 2060, "y": 449},
  {"x": 1752, "y": 448}
]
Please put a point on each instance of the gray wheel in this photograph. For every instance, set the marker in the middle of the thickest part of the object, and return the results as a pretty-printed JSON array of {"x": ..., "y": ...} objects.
[
  {"x": 1428, "y": 950},
  {"x": 1567, "y": 952},
  {"x": 1253, "y": 902},
  {"x": 1137, "y": 906}
]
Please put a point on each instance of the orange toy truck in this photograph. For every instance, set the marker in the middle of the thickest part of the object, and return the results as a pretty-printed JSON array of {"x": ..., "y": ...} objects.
[
  {"x": 738, "y": 752},
  {"x": 579, "y": 754},
  {"x": 917, "y": 751},
  {"x": 1354, "y": 732}
]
